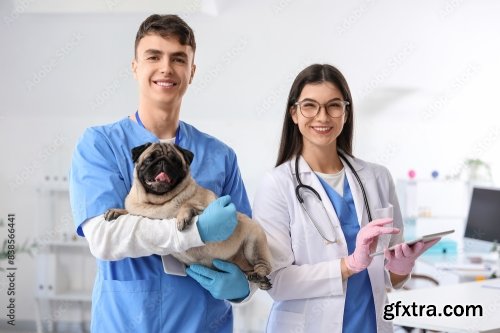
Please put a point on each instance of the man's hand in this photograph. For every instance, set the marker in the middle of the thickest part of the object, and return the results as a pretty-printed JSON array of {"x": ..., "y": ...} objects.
[
  {"x": 228, "y": 283},
  {"x": 218, "y": 220}
]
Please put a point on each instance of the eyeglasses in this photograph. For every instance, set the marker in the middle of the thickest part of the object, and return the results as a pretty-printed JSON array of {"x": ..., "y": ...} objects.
[{"x": 310, "y": 108}]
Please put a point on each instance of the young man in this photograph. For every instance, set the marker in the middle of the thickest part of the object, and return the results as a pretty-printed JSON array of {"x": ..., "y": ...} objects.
[{"x": 132, "y": 293}]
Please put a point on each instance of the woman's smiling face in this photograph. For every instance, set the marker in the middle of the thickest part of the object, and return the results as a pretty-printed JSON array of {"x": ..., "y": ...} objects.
[{"x": 321, "y": 130}]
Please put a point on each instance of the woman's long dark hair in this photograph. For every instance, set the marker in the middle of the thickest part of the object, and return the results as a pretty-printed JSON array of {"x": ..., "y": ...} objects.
[{"x": 291, "y": 138}]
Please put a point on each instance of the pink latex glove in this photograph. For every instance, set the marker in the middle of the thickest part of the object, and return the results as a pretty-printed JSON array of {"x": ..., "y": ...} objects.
[
  {"x": 402, "y": 259},
  {"x": 366, "y": 242}
]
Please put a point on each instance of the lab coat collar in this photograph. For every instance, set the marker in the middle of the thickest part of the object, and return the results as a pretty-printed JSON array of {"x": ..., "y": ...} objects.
[
  {"x": 357, "y": 194},
  {"x": 303, "y": 166},
  {"x": 354, "y": 162},
  {"x": 359, "y": 203}
]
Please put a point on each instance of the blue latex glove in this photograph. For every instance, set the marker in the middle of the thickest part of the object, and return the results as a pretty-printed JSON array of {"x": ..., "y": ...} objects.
[
  {"x": 218, "y": 220},
  {"x": 230, "y": 283}
]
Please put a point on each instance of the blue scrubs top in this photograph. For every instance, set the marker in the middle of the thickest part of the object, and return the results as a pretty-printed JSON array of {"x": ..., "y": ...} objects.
[
  {"x": 359, "y": 308},
  {"x": 134, "y": 294}
]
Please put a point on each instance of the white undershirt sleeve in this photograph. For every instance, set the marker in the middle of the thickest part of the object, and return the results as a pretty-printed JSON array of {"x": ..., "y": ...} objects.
[{"x": 131, "y": 236}]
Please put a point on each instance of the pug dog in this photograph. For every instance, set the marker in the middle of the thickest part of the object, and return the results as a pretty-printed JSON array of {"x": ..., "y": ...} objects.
[{"x": 163, "y": 188}]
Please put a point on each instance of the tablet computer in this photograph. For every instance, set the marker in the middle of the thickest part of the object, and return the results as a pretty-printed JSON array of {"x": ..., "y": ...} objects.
[
  {"x": 173, "y": 266},
  {"x": 425, "y": 239}
]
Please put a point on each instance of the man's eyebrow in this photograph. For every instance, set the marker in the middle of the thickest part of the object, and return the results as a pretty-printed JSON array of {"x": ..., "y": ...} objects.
[
  {"x": 159, "y": 52},
  {"x": 179, "y": 54},
  {"x": 153, "y": 51}
]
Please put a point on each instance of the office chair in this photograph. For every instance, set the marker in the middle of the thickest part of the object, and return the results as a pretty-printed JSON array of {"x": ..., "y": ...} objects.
[{"x": 416, "y": 280}]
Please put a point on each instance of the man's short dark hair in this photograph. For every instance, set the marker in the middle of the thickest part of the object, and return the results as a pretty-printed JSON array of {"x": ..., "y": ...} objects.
[{"x": 166, "y": 26}]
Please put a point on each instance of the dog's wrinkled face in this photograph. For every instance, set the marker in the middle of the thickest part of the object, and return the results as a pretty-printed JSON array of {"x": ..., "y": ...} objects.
[{"x": 161, "y": 166}]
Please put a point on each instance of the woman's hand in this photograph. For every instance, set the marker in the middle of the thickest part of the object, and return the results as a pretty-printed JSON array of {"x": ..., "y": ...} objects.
[
  {"x": 401, "y": 260},
  {"x": 366, "y": 242}
]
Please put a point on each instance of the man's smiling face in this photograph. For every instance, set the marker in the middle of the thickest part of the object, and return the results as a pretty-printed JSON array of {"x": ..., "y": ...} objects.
[{"x": 164, "y": 68}]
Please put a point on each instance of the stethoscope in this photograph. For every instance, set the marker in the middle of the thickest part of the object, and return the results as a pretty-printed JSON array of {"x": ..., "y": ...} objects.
[{"x": 310, "y": 188}]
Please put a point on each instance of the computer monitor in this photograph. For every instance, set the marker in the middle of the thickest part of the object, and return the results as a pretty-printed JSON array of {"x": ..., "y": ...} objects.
[{"x": 483, "y": 221}]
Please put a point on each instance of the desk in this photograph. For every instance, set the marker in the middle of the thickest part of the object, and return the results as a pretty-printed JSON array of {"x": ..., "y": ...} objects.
[
  {"x": 485, "y": 293},
  {"x": 458, "y": 264}
]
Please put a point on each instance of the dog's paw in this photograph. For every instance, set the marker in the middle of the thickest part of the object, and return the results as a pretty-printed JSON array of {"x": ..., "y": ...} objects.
[
  {"x": 262, "y": 268},
  {"x": 184, "y": 218},
  {"x": 114, "y": 213},
  {"x": 262, "y": 281},
  {"x": 265, "y": 284},
  {"x": 253, "y": 277},
  {"x": 181, "y": 224}
]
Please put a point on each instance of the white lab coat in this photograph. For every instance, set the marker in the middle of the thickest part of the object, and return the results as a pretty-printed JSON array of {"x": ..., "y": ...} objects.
[{"x": 308, "y": 290}]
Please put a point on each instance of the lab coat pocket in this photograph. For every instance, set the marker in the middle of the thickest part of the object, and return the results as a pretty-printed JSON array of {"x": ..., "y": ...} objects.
[
  {"x": 130, "y": 306},
  {"x": 383, "y": 242},
  {"x": 283, "y": 321},
  {"x": 382, "y": 213}
]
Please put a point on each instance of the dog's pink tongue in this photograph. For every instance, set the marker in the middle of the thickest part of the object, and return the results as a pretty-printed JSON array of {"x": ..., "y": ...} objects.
[{"x": 162, "y": 177}]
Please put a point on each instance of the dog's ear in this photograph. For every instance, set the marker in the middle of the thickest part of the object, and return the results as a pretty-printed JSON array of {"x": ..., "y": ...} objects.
[
  {"x": 137, "y": 151},
  {"x": 188, "y": 155}
]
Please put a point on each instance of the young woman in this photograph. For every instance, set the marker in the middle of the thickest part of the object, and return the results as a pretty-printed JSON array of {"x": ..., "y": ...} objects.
[{"x": 317, "y": 207}]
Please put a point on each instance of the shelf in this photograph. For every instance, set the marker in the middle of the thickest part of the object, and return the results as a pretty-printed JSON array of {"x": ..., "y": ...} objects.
[
  {"x": 65, "y": 267},
  {"x": 58, "y": 186}
]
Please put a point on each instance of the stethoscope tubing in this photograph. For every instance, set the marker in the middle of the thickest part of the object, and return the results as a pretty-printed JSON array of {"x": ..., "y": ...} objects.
[{"x": 300, "y": 186}]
